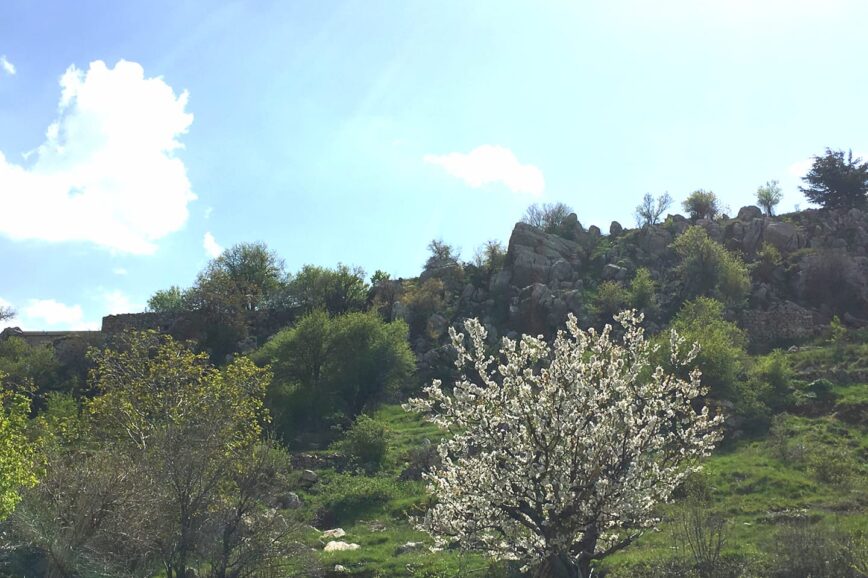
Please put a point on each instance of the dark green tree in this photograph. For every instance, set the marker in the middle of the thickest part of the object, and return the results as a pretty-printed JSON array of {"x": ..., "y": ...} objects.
[
  {"x": 337, "y": 291},
  {"x": 837, "y": 181},
  {"x": 333, "y": 367}
]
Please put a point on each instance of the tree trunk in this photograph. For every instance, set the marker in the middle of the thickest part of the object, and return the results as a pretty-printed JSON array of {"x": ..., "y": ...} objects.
[{"x": 560, "y": 566}]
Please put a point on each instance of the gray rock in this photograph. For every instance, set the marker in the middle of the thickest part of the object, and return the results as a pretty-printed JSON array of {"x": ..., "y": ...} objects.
[
  {"x": 785, "y": 236},
  {"x": 560, "y": 271},
  {"x": 437, "y": 326},
  {"x": 749, "y": 213},
  {"x": 290, "y": 501},
  {"x": 753, "y": 234},
  {"x": 309, "y": 477},
  {"x": 594, "y": 231},
  {"x": 614, "y": 272},
  {"x": 408, "y": 547},
  {"x": 615, "y": 229}
]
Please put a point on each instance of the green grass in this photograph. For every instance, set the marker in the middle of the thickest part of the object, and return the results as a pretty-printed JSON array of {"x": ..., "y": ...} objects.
[{"x": 811, "y": 465}]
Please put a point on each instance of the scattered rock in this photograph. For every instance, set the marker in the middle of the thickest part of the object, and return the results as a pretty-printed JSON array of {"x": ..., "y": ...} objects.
[
  {"x": 290, "y": 501},
  {"x": 309, "y": 477},
  {"x": 408, "y": 547},
  {"x": 341, "y": 569},
  {"x": 338, "y": 546},
  {"x": 335, "y": 533}
]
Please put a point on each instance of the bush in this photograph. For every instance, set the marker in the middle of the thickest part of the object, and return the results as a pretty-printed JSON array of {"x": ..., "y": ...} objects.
[
  {"x": 642, "y": 291},
  {"x": 816, "y": 550},
  {"x": 772, "y": 376},
  {"x": 611, "y": 298},
  {"x": 702, "y": 204},
  {"x": 708, "y": 269},
  {"x": 549, "y": 217},
  {"x": 722, "y": 344},
  {"x": 365, "y": 443},
  {"x": 832, "y": 278}
]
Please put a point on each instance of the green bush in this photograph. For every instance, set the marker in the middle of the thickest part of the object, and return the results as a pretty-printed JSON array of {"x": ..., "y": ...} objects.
[
  {"x": 722, "y": 344},
  {"x": 706, "y": 268},
  {"x": 365, "y": 443},
  {"x": 811, "y": 550},
  {"x": 702, "y": 204},
  {"x": 771, "y": 377},
  {"x": 642, "y": 291},
  {"x": 610, "y": 299}
]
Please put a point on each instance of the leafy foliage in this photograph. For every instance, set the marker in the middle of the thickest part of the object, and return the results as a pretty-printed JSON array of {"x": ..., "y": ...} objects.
[
  {"x": 708, "y": 269},
  {"x": 702, "y": 204},
  {"x": 171, "y": 300},
  {"x": 333, "y": 365},
  {"x": 16, "y": 452},
  {"x": 365, "y": 443},
  {"x": 768, "y": 196},
  {"x": 336, "y": 291},
  {"x": 837, "y": 180}
]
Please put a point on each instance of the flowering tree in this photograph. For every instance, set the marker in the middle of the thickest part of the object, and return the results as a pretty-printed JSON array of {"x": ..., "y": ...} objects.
[{"x": 559, "y": 454}]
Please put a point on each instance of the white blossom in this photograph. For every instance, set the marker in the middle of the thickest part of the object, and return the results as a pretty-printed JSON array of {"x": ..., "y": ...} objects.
[{"x": 561, "y": 450}]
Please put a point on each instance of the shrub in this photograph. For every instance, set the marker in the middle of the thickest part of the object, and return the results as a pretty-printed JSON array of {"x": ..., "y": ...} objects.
[
  {"x": 772, "y": 376},
  {"x": 707, "y": 268},
  {"x": 832, "y": 278},
  {"x": 768, "y": 259},
  {"x": 642, "y": 290},
  {"x": 365, "y": 443},
  {"x": 722, "y": 344},
  {"x": 611, "y": 298},
  {"x": 702, "y": 204},
  {"x": 549, "y": 217},
  {"x": 804, "y": 549},
  {"x": 768, "y": 196}
]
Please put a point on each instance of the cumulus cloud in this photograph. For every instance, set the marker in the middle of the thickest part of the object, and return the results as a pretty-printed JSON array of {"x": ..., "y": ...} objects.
[
  {"x": 212, "y": 249},
  {"x": 489, "y": 164},
  {"x": 7, "y": 66},
  {"x": 107, "y": 172},
  {"x": 51, "y": 313}
]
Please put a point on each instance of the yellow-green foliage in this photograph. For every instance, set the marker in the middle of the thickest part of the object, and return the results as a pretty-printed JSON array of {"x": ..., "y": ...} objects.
[
  {"x": 611, "y": 298},
  {"x": 153, "y": 382},
  {"x": 642, "y": 290},
  {"x": 16, "y": 453},
  {"x": 708, "y": 269}
]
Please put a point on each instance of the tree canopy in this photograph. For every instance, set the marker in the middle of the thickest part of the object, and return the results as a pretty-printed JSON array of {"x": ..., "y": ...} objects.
[
  {"x": 837, "y": 180},
  {"x": 702, "y": 204},
  {"x": 768, "y": 196},
  {"x": 333, "y": 366}
]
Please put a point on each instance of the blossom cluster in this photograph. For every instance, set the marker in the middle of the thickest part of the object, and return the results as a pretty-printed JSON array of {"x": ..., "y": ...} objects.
[{"x": 561, "y": 449}]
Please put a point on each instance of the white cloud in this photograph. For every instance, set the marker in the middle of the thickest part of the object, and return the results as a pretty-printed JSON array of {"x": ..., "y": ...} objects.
[
  {"x": 120, "y": 271},
  {"x": 7, "y": 66},
  {"x": 212, "y": 249},
  {"x": 107, "y": 172},
  {"x": 116, "y": 302},
  {"x": 208, "y": 212},
  {"x": 52, "y": 313},
  {"x": 488, "y": 164}
]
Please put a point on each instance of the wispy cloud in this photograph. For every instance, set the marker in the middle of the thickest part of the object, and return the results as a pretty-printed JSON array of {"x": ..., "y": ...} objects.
[
  {"x": 107, "y": 172},
  {"x": 116, "y": 301},
  {"x": 120, "y": 271},
  {"x": 212, "y": 248},
  {"x": 488, "y": 164},
  {"x": 7, "y": 66}
]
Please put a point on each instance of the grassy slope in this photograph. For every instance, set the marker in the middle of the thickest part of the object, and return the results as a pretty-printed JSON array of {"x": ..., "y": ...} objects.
[{"x": 811, "y": 465}]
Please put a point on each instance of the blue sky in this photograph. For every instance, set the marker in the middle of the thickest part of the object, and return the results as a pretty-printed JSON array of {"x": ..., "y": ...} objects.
[{"x": 139, "y": 138}]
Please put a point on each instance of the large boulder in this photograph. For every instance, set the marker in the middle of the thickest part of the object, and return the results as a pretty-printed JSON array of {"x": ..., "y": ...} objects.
[
  {"x": 783, "y": 235},
  {"x": 532, "y": 253},
  {"x": 749, "y": 213}
]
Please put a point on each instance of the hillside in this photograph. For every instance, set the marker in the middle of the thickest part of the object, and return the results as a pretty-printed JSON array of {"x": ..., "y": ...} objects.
[{"x": 778, "y": 304}]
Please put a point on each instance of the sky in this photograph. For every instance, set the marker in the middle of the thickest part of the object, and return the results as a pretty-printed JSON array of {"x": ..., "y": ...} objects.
[{"x": 139, "y": 139}]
